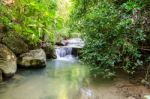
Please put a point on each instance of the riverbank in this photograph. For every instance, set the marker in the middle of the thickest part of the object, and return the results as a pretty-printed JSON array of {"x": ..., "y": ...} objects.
[{"x": 120, "y": 87}]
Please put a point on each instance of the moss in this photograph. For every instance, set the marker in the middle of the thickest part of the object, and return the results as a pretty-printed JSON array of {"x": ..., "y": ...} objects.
[{"x": 15, "y": 43}]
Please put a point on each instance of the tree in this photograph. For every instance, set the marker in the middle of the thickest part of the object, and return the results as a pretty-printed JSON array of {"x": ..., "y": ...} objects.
[{"x": 112, "y": 34}]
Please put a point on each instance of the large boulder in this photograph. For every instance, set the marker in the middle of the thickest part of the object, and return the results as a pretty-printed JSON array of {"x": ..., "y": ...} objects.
[
  {"x": 33, "y": 59},
  {"x": 8, "y": 64},
  {"x": 15, "y": 43}
]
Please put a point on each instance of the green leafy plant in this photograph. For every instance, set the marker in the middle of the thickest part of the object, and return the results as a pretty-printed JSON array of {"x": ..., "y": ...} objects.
[
  {"x": 111, "y": 35},
  {"x": 33, "y": 19}
]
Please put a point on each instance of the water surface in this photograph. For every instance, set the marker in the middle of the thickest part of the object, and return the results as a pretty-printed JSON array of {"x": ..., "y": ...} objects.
[
  {"x": 65, "y": 78},
  {"x": 60, "y": 80}
]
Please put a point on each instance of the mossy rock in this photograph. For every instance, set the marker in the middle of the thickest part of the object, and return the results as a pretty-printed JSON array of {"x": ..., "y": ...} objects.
[{"x": 15, "y": 43}]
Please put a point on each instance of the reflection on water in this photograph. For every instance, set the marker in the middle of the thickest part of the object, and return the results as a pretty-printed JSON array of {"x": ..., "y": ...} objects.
[{"x": 60, "y": 80}]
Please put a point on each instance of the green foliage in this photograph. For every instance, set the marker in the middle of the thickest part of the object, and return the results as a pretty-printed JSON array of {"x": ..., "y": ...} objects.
[
  {"x": 64, "y": 9},
  {"x": 111, "y": 34},
  {"x": 130, "y": 5},
  {"x": 33, "y": 19}
]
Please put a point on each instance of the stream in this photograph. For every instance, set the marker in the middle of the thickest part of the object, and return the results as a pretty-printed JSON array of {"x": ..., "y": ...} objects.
[{"x": 63, "y": 78}]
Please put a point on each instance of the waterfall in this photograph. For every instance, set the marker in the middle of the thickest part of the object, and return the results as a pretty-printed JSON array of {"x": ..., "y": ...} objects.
[
  {"x": 64, "y": 53},
  {"x": 69, "y": 51}
]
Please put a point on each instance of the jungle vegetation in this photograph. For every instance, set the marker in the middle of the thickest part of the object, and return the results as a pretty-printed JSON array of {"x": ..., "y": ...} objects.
[{"x": 116, "y": 32}]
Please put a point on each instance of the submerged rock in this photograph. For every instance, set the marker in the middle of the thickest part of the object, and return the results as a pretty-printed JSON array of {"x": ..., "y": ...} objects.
[
  {"x": 8, "y": 64},
  {"x": 33, "y": 59}
]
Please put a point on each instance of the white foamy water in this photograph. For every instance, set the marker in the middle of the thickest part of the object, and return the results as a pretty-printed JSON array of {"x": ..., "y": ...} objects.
[{"x": 65, "y": 52}]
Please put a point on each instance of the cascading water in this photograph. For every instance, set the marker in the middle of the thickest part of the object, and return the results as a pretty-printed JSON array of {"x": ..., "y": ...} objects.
[{"x": 64, "y": 53}]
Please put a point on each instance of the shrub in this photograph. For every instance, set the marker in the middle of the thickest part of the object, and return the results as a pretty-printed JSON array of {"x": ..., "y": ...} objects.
[
  {"x": 111, "y": 34},
  {"x": 33, "y": 19}
]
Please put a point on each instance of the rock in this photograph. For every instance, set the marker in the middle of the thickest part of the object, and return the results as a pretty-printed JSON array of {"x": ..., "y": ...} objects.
[
  {"x": 2, "y": 28},
  {"x": 76, "y": 51},
  {"x": 1, "y": 76},
  {"x": 146, "y": 83},
  {"x": 60, "y": 44},
  {"x": 8, "y": 64},
  {"x": 15, "y": 43},
  {"x": 50, "y": 53},
  {"x": 49, "y": 50},
  {"x": 1, "y": 37},
  {"x": 33, "y": 59}
]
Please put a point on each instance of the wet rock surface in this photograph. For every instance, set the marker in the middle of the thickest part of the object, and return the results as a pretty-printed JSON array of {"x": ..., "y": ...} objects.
[
  {"x": 8, "y": 65},
  {"x": 33, "y": 59},
  {"x": 49, "y": 50},
  {"x": 71, "y": 46}
]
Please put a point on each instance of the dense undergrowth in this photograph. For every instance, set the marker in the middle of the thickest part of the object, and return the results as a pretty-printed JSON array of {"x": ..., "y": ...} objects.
[
  {"x": 115, "y": 33},
  {"x": 34, "y": 20}
]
